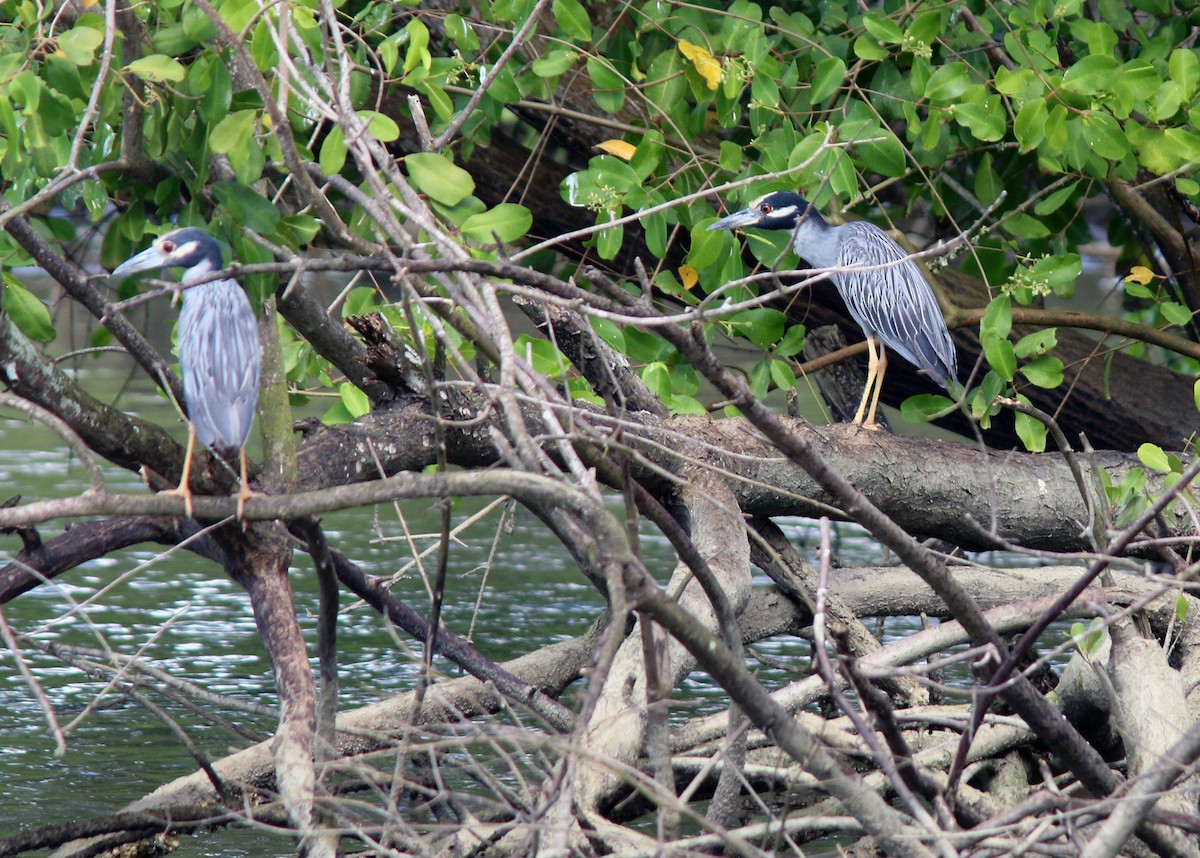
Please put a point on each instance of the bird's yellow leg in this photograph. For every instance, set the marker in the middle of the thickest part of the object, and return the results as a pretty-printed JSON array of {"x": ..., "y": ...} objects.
[
  {"x": 185, "y": 491},
  {"x": 244, "y": 492},
  {"x": 880, "y": 370},
  {"x": 872, "y": 369}
]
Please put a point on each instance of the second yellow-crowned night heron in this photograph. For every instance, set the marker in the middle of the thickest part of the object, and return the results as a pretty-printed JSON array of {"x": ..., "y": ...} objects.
[
  {"x": 219, "y": 354},
  {"x": 883, "y": 289}
]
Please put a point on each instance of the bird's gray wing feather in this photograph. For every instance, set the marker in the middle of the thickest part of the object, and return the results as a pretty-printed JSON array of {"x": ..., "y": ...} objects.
[
  {"x": 890, "y": 298},
  {"x": 220, "y": 359}
]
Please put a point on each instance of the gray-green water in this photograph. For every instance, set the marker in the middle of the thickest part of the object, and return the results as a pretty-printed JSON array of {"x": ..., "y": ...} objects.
[{"x": 511, "y": 587}]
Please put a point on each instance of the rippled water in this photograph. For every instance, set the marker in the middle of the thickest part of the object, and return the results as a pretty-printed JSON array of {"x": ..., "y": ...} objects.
[{"x": 510, "y": 585}]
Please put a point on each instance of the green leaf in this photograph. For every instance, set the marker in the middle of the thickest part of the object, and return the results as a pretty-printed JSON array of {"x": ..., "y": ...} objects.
[
  {"x": 685, "y": 379},
  {"x": 355, "y": 401},
  {"x": 647, "y": 155},
  {"x": 882, "y": 28},
  {"x": 782, "y": 375},
  {"x": 1025, "y": 227},
  {"x": 760, "y": 378},
  {"x": 216, "y": 92},
  {"x": 827, "y": 77},
  {"x": 333, "y": 151},
  {"x": 1166, "y": 150},
  {"x": 999, "y": 353},
  {"x": 1031, "y": 432},
  {"x": 573, "y": 19},
  {"x": 337, "y": 415},
  {"x": 439, "y": 177},
  {"x": 1166, "y": 102},
  {"x": 665, "y": 84},
  {"x": 554, "y": 63},
  {"x": 233, "y": 133},
  {"x": 1037, "y": 343},
  {"x": 985, "y": 121},
  {"x": 608, "y": 241},
  {"x": 79, "y": 44},
  {"x": 792, "y": 343},
  {"x": 926, "y": 27},
  {"x": 997, "y": 318},
  {"x": 1091, "y": 75},
  {"x": 610, "y": 332},
  {"x": 1058, "y": 273},
  {"x": 417, "y": 54},
  {"x": 948, "y": 83},
  {"x": 1154, "y": 458},
  {"x": 1196, "y": 394},
  {"x": 707, "y": 247},
  {"x": 247, "y": 207},
  {"x": 1055, "y": 201},
  {"x": 158, "y": 68},
  {"x": 1030, "y": 124},
  {"x": 383, "y": 128},
  {"x": 608, "y": 87},
  {"x": 925, "y": 407},
  {"x": 731, "y": 156},
  {"x": 1184, "y": 68},
  {"x": 506, "y": 222},
  {"x": 988, "y": 184},
  {"x": 1045, "y": 371},
  {"x": 657, "y": 377},
  {"x": 298, "y": 230},
  {"x": 1105, "y": 135},
  {"x": 461, "y": 32},
  {"x": 869, "y": 49},
  {"x": 1137, "y": 290},
  {"x": 1021, "y": 83},
  {"x": 1175, "y": 313},
  {"x": 1182, "y": 607},
  {"x": 884, "y": 154},
  {"x": 1089, "y": 639},
  {"x": 543, "y": 355},
  {"x": 27, "y": 312},
  {"x": 763, "y": 326},
  {"x": 685, "y": 405}
]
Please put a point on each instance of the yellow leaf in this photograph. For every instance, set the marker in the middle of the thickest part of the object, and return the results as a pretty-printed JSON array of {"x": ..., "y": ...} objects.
[
  {"x": 688, "y": 276},
  {"x": 88, "y": 4},
  {"x": 1139, "y": 274},
  {"x": 705, "y": 63},
  {"x": 620, "y": 148}
]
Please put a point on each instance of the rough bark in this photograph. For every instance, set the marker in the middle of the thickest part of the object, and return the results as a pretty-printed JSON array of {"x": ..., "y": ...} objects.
[
  {"x": 614, "y": 736},
  {"x": 1150, "y": 707},
  {"x": 936, "y": 488}
]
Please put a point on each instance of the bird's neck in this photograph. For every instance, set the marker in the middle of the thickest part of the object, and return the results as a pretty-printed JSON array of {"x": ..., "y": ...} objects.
[
  {"x": 199, "y": 271},
  {"x": 815, "y": 240}
]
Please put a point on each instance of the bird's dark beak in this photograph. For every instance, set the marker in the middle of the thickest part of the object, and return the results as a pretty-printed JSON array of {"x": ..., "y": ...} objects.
[
  {"x": 737, "y": 220},
  {"x": 149, "y": 258}
]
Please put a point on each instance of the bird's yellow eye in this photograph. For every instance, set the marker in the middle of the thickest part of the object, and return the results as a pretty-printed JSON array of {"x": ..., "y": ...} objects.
[{"x": 766, "y": 208}]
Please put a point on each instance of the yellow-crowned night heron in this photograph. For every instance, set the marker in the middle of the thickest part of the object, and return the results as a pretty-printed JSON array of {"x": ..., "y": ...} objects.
[
  {"x": 883, "y": 289},
  {"x": 219, "y": 353}
]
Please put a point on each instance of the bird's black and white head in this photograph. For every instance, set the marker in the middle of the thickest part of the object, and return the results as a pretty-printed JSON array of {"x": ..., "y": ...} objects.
[
  {"x": 776, "y": 210},
  {"x": 190, "y": 248}
]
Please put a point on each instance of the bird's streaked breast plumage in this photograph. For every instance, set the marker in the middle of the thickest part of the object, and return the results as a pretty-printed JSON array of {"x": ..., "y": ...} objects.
[
  {"x": 888, "y": 296},
  {"x": 884, "y": 290},
  {"x": 220, "y": 371}
]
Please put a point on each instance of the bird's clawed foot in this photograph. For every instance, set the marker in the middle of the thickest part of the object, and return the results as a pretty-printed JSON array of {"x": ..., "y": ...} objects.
[
  {"x": 242, "y": 496},
  {"x": 182, "y": 492}
]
